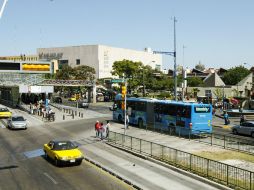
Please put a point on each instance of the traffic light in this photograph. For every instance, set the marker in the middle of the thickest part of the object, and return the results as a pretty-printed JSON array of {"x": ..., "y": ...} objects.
[
  {"x": 124, "y": 90},
  {"x": 123, "y": 106},
  {"x": 77, "y": 96}
]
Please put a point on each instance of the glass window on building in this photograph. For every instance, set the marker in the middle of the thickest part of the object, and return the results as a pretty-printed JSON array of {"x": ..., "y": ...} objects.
[
  {"x": 62, "y": 63},
  {"x": 77, "y": 61},
  {"x": 157, "y": 67}
]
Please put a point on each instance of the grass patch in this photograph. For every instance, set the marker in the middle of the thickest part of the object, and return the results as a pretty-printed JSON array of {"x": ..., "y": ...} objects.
[{"x": 225, "y": 155}]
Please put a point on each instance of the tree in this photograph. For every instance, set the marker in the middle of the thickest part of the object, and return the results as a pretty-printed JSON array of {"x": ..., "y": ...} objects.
[
  {"x": 84, "y": 72},
  {"x": 126, "y": 67},
  {"x": 235, "y": 75},
  {"x": 130, "y": 69},
  {"x": 194, "y": 81},
  {"x": 219, "y": 93},
  {"x": 200, "y": 66},
  {"x": 66, "y": 73}
]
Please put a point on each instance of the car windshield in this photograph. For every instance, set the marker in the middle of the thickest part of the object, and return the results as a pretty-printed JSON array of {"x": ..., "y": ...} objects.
[
  {"x": 18, "y": 119},
  {"x": 4, "y": 110},
  {"x": 64, "y": 145}
]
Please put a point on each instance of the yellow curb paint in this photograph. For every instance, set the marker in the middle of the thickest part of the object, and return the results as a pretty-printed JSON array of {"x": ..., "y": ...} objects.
[{"x": 226, "y": 127}]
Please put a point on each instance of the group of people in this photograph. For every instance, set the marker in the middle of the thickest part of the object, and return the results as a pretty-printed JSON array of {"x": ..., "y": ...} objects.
[
  {"x": 102, "y": 131},
  {"x": 39, "y": 109}
]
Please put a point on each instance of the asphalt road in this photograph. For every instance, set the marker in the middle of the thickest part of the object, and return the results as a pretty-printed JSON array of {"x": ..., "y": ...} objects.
[{"x": 22, "y": 165}]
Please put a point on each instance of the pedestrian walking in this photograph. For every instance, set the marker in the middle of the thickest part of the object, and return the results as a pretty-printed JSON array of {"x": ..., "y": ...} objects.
[
  {"x": 242, "y": 119},
  {"x": 127, "y": 121},
  {"x": 227, "y": 121},
  {"x": 97, "y": 128},
  {"x": 107, "y": 129},
  {"x": 101, "y": 131}
]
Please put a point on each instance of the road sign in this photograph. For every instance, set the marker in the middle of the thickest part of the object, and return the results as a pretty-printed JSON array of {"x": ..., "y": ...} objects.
[{"x": 117, "y": 81}]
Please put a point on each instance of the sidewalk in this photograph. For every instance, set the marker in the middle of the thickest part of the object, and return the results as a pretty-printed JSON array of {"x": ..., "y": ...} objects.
[
  {"x": 182, "y": 144},
  {"x": 67, "y": 113}
]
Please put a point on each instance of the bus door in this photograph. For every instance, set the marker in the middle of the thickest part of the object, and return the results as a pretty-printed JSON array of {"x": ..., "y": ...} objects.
[
  {"x": 180, "y": 120},
  {"x": 150, "y": 115}
]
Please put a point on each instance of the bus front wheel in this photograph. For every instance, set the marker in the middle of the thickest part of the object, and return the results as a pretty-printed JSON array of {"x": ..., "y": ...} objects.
[
  {"x": 120, "y": 119},
  {"x": 140, "y": 123}
]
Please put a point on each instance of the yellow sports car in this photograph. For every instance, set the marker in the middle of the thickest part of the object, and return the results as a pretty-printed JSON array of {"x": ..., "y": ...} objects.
[
  {"x": 4, "y": 113},
  {"x": 63, "y": 152},
  {"x": 72, "y": 99}
]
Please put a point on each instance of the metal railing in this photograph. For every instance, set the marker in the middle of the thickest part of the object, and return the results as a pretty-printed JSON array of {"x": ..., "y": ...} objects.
[
  {"x": 225, "y": 174},
  {"x": 229, "y": 142}
]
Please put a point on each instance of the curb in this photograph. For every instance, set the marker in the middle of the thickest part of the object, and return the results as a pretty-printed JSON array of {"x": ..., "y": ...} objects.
[
  {"x": 223, "y": 126},
  {"x": 181, "y": 171},
  {"x": 113, "y": 173}
]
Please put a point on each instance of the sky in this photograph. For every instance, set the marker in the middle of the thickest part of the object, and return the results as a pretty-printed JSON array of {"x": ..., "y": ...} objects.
[{"x": 216, "y": 33}]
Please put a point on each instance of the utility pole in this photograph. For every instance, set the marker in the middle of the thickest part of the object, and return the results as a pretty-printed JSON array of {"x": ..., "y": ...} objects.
[
  {"x": 2, "y": 9},
  {"x": 174, "y": 55},
  {"x": 175, "y": 72}
]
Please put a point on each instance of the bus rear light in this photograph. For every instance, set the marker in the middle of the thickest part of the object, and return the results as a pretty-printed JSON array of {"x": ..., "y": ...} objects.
[{"x": 190, "y": 125}]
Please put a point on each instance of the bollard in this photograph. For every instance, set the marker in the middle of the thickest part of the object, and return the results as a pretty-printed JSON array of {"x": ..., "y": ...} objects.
[
  {"x": 63, "y": 110},
  {"x": 75, "y": 113},
  {"x": 69, "y": 111},
  {"x": 79, "y": 114},
  {"x": 63, "y": 117},
  {"x": 82, "y": 115},
  {"x": 72, "y": 112},
  {"x": 72, "y": 115}
]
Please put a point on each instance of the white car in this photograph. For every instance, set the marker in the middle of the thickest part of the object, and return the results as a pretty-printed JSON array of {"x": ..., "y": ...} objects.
[{"x": 17, "y": 122}]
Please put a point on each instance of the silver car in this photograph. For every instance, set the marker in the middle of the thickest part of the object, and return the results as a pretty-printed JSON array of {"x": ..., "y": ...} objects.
[
  {"x": 17, "y": 122},
  {"x": 245, "y": 128}
]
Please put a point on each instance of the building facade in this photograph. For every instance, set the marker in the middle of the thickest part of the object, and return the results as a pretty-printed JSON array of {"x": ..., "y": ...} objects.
[{"x": 100, "y": 57}]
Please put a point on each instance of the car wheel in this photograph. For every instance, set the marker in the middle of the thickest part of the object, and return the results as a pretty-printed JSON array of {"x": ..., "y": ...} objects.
[
  {"x": 252, "y": 134},
  {"x": 46, "y": 155},
  {"x": 79, "y": 163},
  {"x": 235, "y": 132},
  {"x": 56, "y": 162}
]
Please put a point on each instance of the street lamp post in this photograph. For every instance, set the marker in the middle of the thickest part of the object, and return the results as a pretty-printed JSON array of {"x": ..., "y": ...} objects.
[{"x": 174, "y": 55}]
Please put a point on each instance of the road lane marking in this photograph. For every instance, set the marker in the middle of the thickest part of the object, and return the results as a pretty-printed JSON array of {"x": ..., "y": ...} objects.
[
  {"x": 34, "y": 153},
  {"x": 51, "y": 178}
]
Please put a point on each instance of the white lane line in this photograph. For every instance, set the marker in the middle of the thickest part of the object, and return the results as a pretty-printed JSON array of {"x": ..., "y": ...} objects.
[{"x": 51, "y": 178}]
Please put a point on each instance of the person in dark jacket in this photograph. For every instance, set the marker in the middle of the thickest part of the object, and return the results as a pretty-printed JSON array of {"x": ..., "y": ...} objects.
[{"x": 226, "y": 118}]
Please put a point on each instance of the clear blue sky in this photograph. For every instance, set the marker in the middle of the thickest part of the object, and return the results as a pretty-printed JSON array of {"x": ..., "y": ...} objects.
[{"x": 218, "y": 33}]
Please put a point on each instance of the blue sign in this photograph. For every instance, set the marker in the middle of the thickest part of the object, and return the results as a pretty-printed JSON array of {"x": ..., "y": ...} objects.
[{"x": 47, "y": 102}]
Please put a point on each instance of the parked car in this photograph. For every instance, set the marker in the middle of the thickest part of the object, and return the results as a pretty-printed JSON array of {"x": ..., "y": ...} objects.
[
  {"x": 17, "y": 122},
  {"x": 5, "y": 113},
  {"x": 83, "y": 103},
  {"x": 57, "y": 99},
  {"x": 72, "y": 98},
  {"x": 63, "y": 152},
  {"x": 245, "y": 128}
]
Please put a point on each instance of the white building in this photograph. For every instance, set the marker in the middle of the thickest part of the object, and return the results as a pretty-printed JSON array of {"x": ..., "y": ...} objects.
[{"x": 99, "y": 57}]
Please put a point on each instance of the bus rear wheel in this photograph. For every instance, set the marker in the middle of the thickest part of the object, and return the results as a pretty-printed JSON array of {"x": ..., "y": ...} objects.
[
  {"x": 140, "y": 123},
  {"x": 172, "y": 130}
]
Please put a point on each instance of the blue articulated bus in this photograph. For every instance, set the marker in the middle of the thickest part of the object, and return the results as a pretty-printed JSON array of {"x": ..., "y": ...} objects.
[{"x": 165, "y": 115}]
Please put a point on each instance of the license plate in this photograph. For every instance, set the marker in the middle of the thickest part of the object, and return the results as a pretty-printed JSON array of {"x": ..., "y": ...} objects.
[{"x": 72, "y": 160}]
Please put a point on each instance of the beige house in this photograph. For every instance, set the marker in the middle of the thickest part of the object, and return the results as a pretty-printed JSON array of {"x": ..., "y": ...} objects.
[{"x": 214, "y": 87}]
